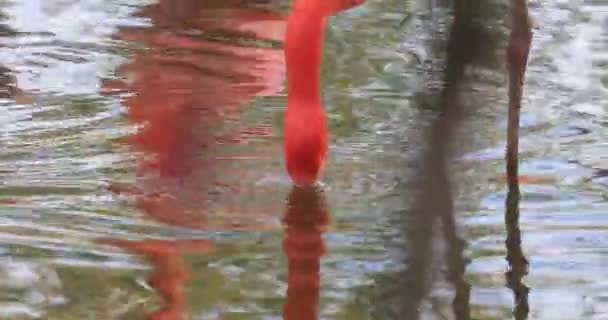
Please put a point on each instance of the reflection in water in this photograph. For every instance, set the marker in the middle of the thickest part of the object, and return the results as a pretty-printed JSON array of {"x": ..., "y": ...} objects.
[
  {"x": 28, "y": 289},
  {"x": 468, "y": 40},
  {"x": 6, "y": 87},
  {"x": 9, "y": 88},
  {"x": 170, "y": 272},
  {"x": 189, "y": 84},
  {"x": 186, "y": 84},
  {"x": 518, "y": 265},
  {"x": 517, "y": 59},
  {"x": 60, "y": 150},
  {"x": 6, "y": 91},
  {"x": 305, "y": 220},
  {"x": 435, "y": 200}
]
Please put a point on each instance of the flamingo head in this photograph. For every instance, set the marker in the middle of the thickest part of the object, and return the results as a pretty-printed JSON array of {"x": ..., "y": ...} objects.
[{"x": 305, "y": 144}]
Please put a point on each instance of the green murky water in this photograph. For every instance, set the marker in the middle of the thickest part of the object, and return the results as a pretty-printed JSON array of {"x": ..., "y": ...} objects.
[{"x": 140, "y": 164}]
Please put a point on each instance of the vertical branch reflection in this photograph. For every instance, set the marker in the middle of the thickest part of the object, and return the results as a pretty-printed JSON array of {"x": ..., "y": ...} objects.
[
  {"x": 305, "y": 221},
  {"x": 517, "y": 59},
  {"x": 518, "y": 264}
]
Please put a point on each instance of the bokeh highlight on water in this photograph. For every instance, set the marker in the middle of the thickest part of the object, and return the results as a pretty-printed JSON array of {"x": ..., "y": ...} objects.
[{"x": 141, "y": 176}]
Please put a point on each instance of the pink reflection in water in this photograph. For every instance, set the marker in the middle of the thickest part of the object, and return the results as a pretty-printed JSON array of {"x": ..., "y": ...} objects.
[
  {"x": 170, "y": 272},
  {"x": 184, "y": 85},
  {"x": 305, "y": 220}
]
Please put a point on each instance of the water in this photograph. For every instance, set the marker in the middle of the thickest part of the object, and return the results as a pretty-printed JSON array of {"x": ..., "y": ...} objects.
[{"x": 141, "y": 171}]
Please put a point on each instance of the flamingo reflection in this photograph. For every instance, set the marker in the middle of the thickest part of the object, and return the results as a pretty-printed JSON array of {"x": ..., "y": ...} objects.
[
  {"x": 305, "y": 220},
  {"x": 170, "y": 272},
  {"x": 185, "y": 85}
]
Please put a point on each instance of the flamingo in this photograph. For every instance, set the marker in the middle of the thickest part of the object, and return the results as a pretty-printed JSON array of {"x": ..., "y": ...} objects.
[{"x": 305, "y": 125}]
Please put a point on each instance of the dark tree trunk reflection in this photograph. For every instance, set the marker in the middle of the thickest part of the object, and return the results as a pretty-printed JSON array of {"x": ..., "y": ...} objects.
[
  {"x": 435, "y": 201},
  {"x": 467, "y": 40}
]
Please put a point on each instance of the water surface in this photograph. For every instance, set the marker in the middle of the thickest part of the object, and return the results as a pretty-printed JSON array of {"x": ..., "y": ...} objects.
[{"x": 141, "y": 171}]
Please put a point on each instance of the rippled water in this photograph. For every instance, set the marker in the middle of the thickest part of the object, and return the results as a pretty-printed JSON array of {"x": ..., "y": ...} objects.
[{"x": 141, "y": 168}]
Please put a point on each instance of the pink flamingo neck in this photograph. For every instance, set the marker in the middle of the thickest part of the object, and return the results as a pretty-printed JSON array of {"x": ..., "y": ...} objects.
[
  {"x": 303, "y": 48},
  {"x": 305, "y": 126}
]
